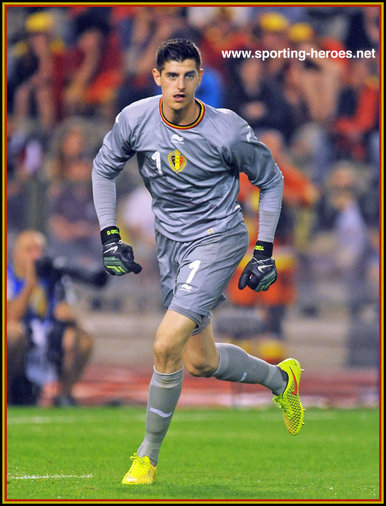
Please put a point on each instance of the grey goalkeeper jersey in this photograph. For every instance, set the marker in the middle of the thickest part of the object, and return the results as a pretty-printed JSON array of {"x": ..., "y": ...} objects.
[{"x": 191, "y": 172}]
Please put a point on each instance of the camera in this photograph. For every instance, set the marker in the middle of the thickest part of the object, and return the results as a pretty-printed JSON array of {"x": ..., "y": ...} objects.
[{"x": 54, "y": 269}]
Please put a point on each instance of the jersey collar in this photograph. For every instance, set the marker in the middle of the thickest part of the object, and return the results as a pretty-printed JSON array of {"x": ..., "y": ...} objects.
[{"x": 184, "y": 127}]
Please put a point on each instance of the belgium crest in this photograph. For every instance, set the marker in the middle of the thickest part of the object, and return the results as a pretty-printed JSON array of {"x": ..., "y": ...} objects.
[{"x": 177, "y": 161}]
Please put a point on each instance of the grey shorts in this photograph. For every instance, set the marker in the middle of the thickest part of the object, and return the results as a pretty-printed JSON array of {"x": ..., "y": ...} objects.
[{"x": 194, "y": 274}]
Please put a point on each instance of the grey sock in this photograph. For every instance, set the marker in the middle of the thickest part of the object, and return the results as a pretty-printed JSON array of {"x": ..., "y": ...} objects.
[
  {"x": 238, "y": 366},
  {"x": 164, "y": 392}
]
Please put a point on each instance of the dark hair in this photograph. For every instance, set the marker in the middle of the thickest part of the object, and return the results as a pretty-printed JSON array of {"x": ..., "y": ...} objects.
[{"x": 177, "y": 50}]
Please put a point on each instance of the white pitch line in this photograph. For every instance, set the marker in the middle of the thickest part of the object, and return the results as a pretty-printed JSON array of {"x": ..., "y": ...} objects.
[
  {"x": 46, "y": 419},
  {"x": 49, "y": 476},
  {"x": 180, "y": 416},
  {"x": 63, "y": 419}
]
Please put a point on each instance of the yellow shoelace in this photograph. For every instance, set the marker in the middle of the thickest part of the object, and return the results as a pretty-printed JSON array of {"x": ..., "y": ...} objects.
[{"x": 139, "y": 463}]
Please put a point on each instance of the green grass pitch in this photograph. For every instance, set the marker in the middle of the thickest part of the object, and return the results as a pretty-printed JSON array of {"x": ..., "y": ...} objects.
[{"x": 83, "y": 453}]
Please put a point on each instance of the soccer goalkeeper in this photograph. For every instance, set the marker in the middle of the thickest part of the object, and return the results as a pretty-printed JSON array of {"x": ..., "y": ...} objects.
[{"x": 190, "y": 156}]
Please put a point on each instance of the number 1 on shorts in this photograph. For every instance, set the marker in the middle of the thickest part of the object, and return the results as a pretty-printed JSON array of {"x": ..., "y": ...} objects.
[{"x": 194, "y": 266}]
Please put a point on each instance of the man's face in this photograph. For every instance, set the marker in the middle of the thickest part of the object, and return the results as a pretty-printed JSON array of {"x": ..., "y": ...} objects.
[
  {"x": 29, "y": 247},
  {"x": 178, "y": 81}
]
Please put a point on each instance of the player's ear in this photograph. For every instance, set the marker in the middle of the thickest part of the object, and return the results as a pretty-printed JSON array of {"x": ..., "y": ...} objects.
[
  {"x": 200, "y": 74},
  {"x": 157, "y": 77}
]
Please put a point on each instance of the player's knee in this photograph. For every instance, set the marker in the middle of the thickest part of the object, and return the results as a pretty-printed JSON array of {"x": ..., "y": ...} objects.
[
  {"x": 201, "y": 368},
  {"x": 169, "y": 344},
  {"x": 164, "y": 351}
]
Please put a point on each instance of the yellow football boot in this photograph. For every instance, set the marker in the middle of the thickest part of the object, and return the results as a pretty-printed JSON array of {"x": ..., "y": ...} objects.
[
  {"x": 289, "y": 401},
  {"x": 141, "y": 472}
]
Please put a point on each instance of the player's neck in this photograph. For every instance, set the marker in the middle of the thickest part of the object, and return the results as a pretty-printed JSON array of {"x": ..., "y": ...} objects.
[{"x": 185, "y": 116}]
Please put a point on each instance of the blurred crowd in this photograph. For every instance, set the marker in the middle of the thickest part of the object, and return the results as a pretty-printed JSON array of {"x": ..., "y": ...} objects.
[{"x": 71, "y": 69}]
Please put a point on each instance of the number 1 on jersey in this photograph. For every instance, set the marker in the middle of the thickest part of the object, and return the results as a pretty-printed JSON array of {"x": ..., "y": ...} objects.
[{"x": 157, "y": 157}]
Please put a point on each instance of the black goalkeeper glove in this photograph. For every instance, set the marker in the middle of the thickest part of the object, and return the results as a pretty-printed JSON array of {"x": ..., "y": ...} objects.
[
  {"x": 118, "y": 257},
  {"x": 260, "y": 272}
]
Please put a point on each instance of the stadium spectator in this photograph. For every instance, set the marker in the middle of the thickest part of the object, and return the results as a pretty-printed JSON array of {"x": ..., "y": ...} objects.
[
  {"x": 350, "y": 230},
  {"x": 45, "y": 341},
  {"x": 312, "y": 87},
  {"x": 70, "y": 139},
  {"x": 373, "y": 146},
  {"x": 343, "y": 252},
  {"x": 258, "y": 99},
  {"x": 73, "y": 226},
  {"x": 201, "y": 17},
  {"x": 93, "y": 64},
  {"x": 318, "y": 80},
  {"x": 222, "y": 33},
  {"x": 25, "y": 154},
  {"x": 363, "y": 29},
  {"x": 357, "y": 112},
  {"x": 139, "y": 34},
  {"x": 37, "y": 78},
  {"x": 292, "y": 14},
  {"x": 270, "y": 31}
]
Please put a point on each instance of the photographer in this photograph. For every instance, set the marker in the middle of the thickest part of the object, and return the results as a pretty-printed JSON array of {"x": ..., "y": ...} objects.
[{"x": 44, "y": 339}]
